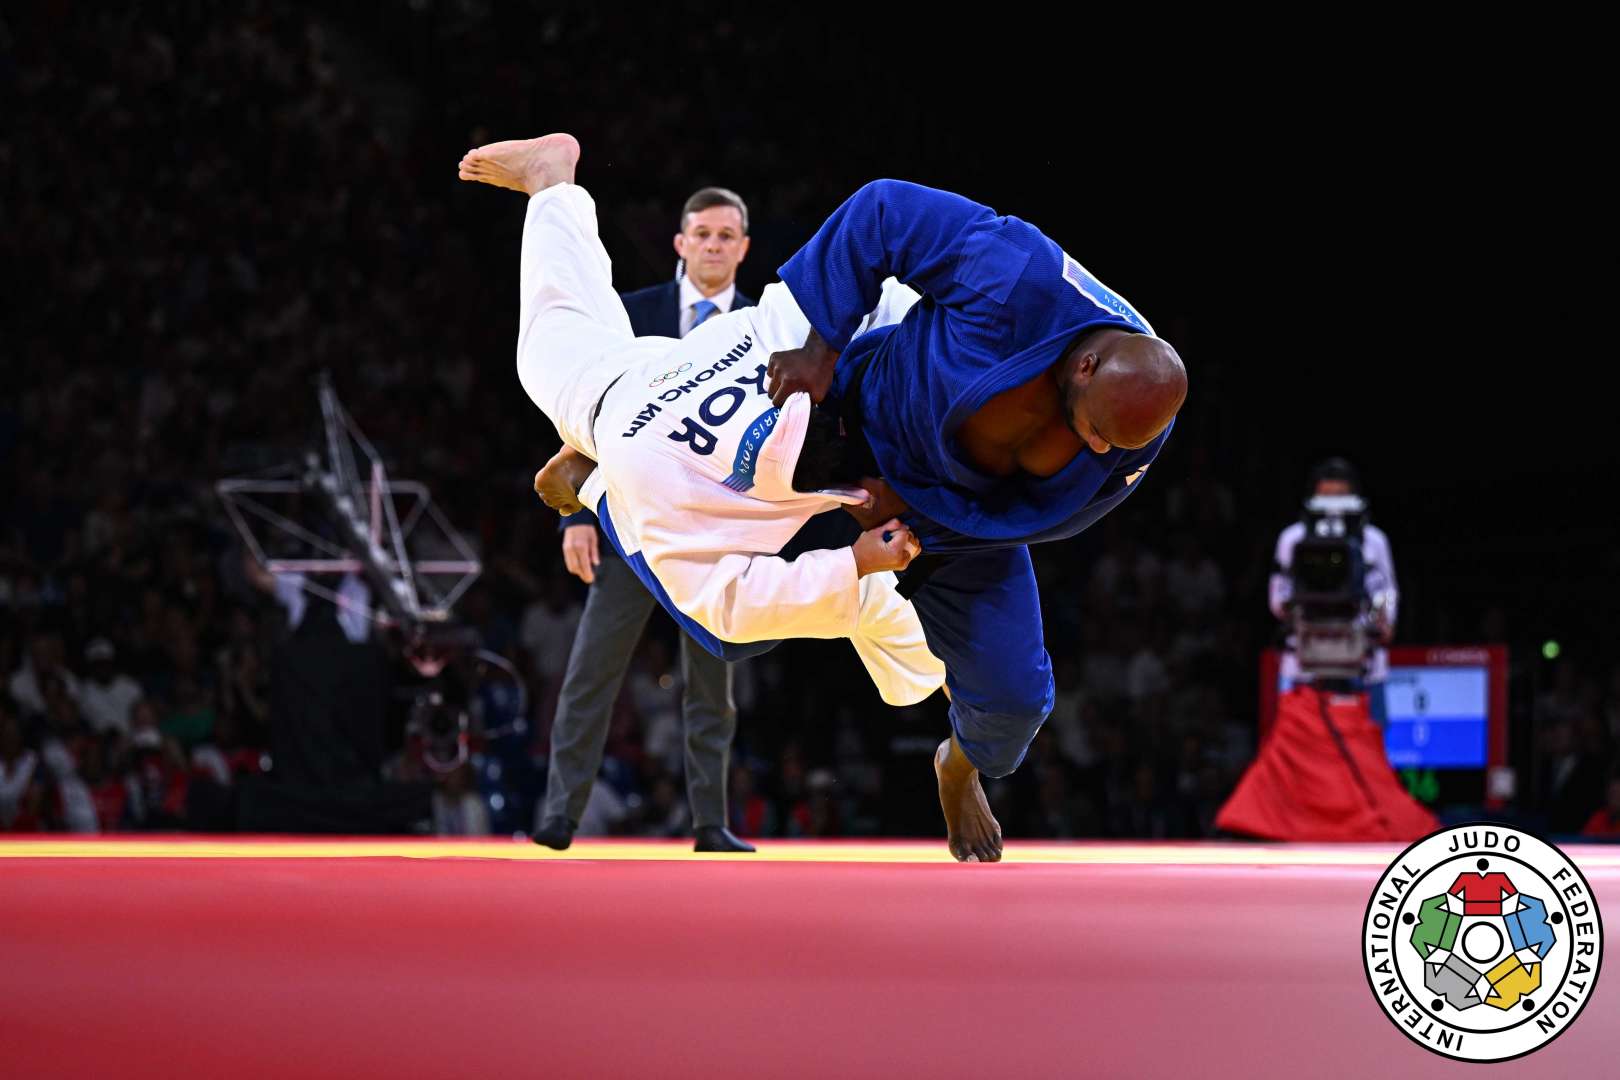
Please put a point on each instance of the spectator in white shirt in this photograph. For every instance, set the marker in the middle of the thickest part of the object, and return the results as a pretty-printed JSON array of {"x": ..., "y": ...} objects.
[
  {"x": 17, "y": 766},
  {"x": 106, "y": 694},
  {"x": 349, "y": 593},
  {"x": 458, "y": 809},
  {"x": 1102, "y": 664},
  {"x": 1128, "y": 572},
  {"x": 43, "y": 661},
  {"x": 547, "y": 630},
  {"x": 1192, "y": 578},
  {"x": 1146, "y": 675}
]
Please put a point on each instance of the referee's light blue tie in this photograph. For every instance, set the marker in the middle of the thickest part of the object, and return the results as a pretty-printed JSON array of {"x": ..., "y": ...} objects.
[{"x": 703, "y": 309}]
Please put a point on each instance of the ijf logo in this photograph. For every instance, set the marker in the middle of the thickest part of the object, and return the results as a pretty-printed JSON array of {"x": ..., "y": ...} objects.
[{"x": 1482, "y": 942}]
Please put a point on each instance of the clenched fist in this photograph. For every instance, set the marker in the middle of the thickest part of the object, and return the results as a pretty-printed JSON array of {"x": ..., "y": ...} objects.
[
  {"x": 809, "y": 369},
  {"x": 890, "y": 546}
]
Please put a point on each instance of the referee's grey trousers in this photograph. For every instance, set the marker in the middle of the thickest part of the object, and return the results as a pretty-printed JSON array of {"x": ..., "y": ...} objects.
[{"x": 616, "y": 612}]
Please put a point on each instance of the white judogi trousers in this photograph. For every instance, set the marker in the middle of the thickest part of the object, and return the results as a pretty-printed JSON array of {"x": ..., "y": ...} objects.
[{"x": 693, "y": 462}]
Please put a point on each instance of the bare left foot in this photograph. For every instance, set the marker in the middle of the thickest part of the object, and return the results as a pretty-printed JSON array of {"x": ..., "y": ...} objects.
[
  {"x": 558, "y": 483},
  {"x": 971, "y": 830},
  {"x": 526, "y": 165}
]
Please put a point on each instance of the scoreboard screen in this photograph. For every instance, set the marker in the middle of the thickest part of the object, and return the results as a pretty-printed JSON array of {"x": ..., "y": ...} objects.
[{"x": 1443, "y": 707}]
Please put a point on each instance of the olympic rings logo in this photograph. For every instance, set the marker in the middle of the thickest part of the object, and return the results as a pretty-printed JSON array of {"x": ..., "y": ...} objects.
[{"x": 666, "y": 376}]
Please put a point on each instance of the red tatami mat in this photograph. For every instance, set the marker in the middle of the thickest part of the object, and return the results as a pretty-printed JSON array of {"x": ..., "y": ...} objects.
[{"x": 1086, "y": 963}]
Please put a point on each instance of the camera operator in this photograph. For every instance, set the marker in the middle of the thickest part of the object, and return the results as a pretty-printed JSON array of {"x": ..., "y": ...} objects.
[
  {"x": 1323, "y": 773},
  {"x": 1378, "y": 600}
]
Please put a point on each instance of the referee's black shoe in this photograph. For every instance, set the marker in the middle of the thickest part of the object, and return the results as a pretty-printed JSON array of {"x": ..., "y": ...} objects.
[
  {"x": 555, "y": 833},
  {"x": 718, "y": 838}
]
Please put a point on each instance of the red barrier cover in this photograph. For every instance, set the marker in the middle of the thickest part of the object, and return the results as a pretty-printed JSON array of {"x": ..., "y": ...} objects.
[{"x": 1322, "y": 775}]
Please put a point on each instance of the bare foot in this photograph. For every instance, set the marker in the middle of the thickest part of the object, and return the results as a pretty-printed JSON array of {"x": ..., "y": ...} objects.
[
  {"x": 559, "y": 482},
  {"x": 526, "y": 165},
  {"x": 971, "y": 830}
]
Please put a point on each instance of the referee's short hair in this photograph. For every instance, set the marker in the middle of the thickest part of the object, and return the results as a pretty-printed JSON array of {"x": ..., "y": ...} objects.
[{"x": 705, "y": 198}]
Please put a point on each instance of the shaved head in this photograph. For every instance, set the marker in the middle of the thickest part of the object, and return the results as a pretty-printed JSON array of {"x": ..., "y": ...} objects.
[{"x": 1121, "y": 388}]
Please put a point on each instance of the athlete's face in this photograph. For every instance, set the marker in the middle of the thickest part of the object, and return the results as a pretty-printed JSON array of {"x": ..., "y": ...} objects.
[
  {"x": 1085, "y": 425},
  {"x": 1080, "y": 405},
  {"x": 713, "y": 245}
]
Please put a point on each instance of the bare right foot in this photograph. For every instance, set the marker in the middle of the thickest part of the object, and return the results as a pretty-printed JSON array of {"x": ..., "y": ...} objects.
[
  {"x": 970, "y": 829},
  {"x": 526, "y": 165}
]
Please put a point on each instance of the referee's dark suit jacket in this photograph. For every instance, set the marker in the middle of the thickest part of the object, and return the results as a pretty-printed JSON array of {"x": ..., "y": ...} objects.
[{"x": 656, "y": 311}]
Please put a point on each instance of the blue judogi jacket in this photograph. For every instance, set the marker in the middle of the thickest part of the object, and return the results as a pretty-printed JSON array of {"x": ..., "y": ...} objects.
[{"x": 1001, "y": 304}]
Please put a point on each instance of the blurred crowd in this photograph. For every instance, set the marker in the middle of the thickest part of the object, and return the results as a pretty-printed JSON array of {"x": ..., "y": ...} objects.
[{"x": 209, "y": 206}]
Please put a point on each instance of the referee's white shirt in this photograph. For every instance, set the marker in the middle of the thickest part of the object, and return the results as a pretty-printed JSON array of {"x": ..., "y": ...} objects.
[{"x": 690, "y": 297}]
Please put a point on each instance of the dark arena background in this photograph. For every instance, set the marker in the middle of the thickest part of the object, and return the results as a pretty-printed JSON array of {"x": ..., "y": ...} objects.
[{"x": 228, "y": 848}]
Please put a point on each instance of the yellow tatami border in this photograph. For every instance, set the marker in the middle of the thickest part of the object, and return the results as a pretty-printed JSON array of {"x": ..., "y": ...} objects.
[{"x": 929, "y": 851}]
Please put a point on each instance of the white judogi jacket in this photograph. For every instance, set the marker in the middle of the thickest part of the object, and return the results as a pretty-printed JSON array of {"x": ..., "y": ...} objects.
[{"x": 697, "y": 470}]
